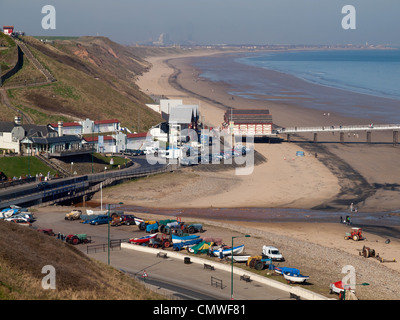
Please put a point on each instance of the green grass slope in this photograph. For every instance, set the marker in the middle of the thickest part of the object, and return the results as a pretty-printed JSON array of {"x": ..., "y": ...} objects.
[{"x": 95, "y": 79}]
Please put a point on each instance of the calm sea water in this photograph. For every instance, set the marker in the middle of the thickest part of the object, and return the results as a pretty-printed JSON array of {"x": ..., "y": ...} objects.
[
  {"x": 371, "y": 76},
  {"x": 373, "y": 72}
]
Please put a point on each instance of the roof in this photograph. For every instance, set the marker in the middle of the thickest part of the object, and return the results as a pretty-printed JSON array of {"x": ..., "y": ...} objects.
[
  {"x": 8, "y": 27},
  {"x": 106, "y": 121},
  {"x": 137, "y": 135},
  {"x": 37, "y": 130},
  {"x": 248, "y": 116},
  {"x": 62, "y": 139},
  {"x": 67, "y": 124},
  {"x": 248, "y": 111},
  {"x": 181, "y": 114},
  {"x": 30, "y": 129},
  {"x": 95, "y": 139},
  {"x": 7, "y": 126}
]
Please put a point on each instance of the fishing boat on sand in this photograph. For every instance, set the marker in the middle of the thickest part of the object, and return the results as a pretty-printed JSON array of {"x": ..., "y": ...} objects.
[
  {"x": 238, "y": 258},
  {"x": 143, "y": 239},
  {"x": 228, "y": 251},
  {"x": 291, "y": 274},
  {"x": 337, "y": 287},
  {"x": 178, "y": 239}
]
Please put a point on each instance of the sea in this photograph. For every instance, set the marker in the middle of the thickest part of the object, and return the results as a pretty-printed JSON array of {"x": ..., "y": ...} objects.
[{"x": 355, "y": 83}]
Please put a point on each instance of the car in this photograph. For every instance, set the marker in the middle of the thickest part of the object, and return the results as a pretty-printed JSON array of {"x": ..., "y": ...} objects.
[
  {"x": 187, "y": 162},
  {"x": 43, "y": 185},
  {"x": 272, "y": 253},
  {"x": 102, "y": 219},
  {"x": 138, "y": 152},
  {"x": 127, "y": 219}
]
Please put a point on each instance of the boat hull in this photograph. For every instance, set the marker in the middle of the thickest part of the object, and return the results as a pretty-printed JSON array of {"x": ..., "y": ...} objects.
[
  {"x": 295, "y": 278},
  {"x": 177, "y": 239},
  {"x": 143, "y": 239},
  {"x": 228, "y": 251},
  {"x": 238, "y": 258}
]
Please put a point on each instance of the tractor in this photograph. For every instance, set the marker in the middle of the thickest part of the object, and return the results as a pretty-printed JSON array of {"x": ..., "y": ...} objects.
[
  {"x": 77, "y": 238},
  {"x": 163, "y": 242},
  {"x": 258, "y": 262},
  {"x": 355, "y": 234}
]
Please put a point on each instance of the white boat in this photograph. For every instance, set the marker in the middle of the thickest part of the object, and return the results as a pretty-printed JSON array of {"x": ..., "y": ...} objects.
[
  {"x": 293, "y": 275},
  {"x": 92, "y": 212},
  {"x": 337, "y": 287},
  {"x": 238, "y": 258},
  {"x": 228, "y": 251}
]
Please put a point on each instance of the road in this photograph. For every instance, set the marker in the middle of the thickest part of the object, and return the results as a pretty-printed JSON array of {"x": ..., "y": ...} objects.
[{"x": 28, "y": 194}]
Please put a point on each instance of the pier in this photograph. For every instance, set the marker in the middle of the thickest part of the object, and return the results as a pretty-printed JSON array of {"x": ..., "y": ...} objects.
[{"x": 395, "y": 128}]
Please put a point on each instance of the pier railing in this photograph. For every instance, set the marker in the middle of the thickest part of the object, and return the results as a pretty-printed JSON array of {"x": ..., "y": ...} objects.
[{"x": 351, "y": 128}]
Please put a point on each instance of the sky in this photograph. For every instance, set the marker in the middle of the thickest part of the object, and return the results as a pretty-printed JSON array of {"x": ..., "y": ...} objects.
[{"x": 211, "y": 21}]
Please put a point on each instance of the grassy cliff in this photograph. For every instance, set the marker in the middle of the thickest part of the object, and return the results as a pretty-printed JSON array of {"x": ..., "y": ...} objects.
[{"x": 95, "y": 79}]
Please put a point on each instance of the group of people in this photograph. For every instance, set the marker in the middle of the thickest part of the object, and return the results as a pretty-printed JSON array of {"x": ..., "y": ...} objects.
[{"x": 346, "y": 220}]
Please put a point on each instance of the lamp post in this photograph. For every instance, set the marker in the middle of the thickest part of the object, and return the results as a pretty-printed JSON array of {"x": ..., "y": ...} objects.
[
  {"x": 108, "y": 235},
  {"x": 108, "y": 242},
  {"x": 246, "y": 236}
]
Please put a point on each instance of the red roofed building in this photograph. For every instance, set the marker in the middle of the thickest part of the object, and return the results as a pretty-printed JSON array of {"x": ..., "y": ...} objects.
[
  {"x": 67, "y": 128},
  {"x": 107, "y": 125},
  {"x": 106, "y": 143},
  {"x": 136, "y": 141},
  {"x": 8, "y": 30}
]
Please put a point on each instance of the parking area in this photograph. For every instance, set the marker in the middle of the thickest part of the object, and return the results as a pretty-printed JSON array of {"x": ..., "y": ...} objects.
[{"x": 184, "y": 280}]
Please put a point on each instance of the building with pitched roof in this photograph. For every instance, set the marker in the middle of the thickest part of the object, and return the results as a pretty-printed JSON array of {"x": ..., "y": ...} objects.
[{"x": 257, "y": 122}]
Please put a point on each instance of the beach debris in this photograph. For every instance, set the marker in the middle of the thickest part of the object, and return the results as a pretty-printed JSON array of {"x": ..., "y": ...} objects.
[{"x": 387, "y": 241}]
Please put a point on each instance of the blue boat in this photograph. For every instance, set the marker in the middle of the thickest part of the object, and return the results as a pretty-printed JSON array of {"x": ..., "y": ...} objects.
[
  {"x": 185, "y": 244},
  {"x": 178, "y": 239},
  {"x": 292, "y": 275}
]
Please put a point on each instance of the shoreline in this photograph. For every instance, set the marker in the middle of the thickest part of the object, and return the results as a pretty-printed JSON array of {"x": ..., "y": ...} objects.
[
  {"x": 342, "y": 174},
  {"x": 369, "y": 180}
]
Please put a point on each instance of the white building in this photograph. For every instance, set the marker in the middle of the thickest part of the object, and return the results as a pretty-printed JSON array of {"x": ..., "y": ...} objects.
[
  {"x": 67, "y": 128},
  {"x": 166, "y": 105},
  {"x": 10, "y": 136}
]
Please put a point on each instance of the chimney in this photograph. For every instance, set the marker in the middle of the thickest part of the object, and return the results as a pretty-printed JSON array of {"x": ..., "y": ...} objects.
[
  {"x": 60, "y": 128},
  {"x": 17, "y": 120}
]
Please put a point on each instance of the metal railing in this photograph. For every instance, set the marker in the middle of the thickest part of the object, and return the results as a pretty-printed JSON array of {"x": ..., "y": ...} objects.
[
  {"x": 351, "y": 128},
  {"x": 103, "y": 247}
]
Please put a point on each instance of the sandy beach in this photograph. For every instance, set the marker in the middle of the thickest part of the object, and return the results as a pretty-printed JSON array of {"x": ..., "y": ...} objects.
[
  {"x": 300, "y": 182},
  {"x": 365, "y": 174},
  {"x": 355, "y": 172}
]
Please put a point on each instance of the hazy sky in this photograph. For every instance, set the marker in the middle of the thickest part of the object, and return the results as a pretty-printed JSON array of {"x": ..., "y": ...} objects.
[{"x": 212, "y": 21}]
